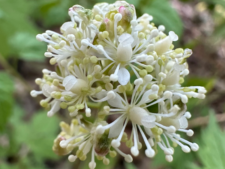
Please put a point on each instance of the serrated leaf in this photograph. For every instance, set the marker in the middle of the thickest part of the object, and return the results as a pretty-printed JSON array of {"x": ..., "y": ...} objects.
[
  {"x": 212, "y": 150},
  {"x": 6, "y": 98},
  {"x": 164, "y": 14},
  {"x": 38, "y": 135}
]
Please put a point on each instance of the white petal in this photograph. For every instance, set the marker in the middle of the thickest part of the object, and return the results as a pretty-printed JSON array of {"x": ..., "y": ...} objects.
[
  {"x": 145, "y": 98},
  {"x": 101, "y": 94},
  {"x": 148, "y": 131},
  {"x": 77, "y": 71},
  {"x": 179, "y": 68},
  {"x": 69, "y": 82},
  {"x": 138, "y": 28},
  {"x": 172, "y": 78},
  {"x": 135, "y": 36},
  {"x": 124, "y": 52},
  {"x": 116, "y": 128},
  {"x": 173, "y": 36},
  {"x": 67, "y": 25},
  {"x": 123, "y": 76},
  {"x": 117, "y": 102},
  {"x": 126, "y": 39},
  {"x": 183, "y": 122},
  {"x": 46, "y": 89},
  {"x": 148, "y": 121},
  {"x": 163, "y": 45},
  {"x": 55, "y": 106}
]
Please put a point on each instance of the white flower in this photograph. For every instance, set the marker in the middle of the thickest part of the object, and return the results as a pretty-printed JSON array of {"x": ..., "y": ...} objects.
[
  {"x": 68, "y": 44},
  {"x": 71, "y": 91},
  {"x": 163, "y": 123},
  {"x": 82, "y": 137},
  {"x": 97, "y": 56}
]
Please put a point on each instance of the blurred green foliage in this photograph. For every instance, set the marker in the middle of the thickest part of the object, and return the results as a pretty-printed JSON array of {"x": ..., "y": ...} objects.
[
  {"x": 25, "y": 143},
  {"x": 28, "y": 143},
  {"x": 6, "y": 98}
]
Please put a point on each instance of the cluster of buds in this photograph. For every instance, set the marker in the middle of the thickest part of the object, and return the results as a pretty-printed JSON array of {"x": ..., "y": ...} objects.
[{"x": 109, "y": 62}]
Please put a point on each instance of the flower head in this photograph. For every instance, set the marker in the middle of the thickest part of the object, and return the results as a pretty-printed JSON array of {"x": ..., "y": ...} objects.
[
  {"x": 109, "y": 62},
  {"x": 80, "y": 137}
]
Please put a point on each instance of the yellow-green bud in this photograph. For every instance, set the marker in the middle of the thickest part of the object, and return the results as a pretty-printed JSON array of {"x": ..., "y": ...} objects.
[
  {"x": 52, "y": 61},
  {"x": 106, "y": 79},
  {"x": 90, "y": 77},
  {"x": 149, "y": 86},
  {"x": 55, "y": 36},
  {"x": 121, "y": 89},
  {"x": 83, "y": 158},
  {"x": 67, "y": 98},
  {"x": 112, "y": 154},
  {"x": 58, "y": 95},
  {"x": 94, "y": 59},
  {"x": 79, "y": 153},
  {"x": 160, "y": 62},
  {"x": 179, "y": 50},
  {"x": 143, "y": 72},
  {"x": 38, "y": 81},
  {"x": 98, "y": 75},
  {"x": 75, "y": 121},
  {"x": 108, "y": 86},
  {"x": 129, "y": 143},
  {"x": 85, "y": 60},
  {"x": 139, "y": 145},
  {"x": 105, "y": 161},
  {"x": 124, "y": 137},
  {"x": 149, "y": 68},
  {"x": 141, "y": 35},
  {"x": 56, "y": 82},
  {"x": 98, "y": 89},
  {"x": 120, "y": 30},
  {"x": 153, "y": 96},
  {"x": 129, "y": 87},
  {"x": 181, "y": 80},
  {"x": 105, "y": 34},
  {"x": 98, "y": 18},
  {"x": 99, "y": 157},
  {"x": 63, "y": 105},
  {"x": 71, "y": 108},
  {"x": 80, "y": 106},
  {"x": 43, "y": 103}
]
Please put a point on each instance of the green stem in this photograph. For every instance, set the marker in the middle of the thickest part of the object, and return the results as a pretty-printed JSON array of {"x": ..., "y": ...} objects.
[{"x": 94, "y": 105}]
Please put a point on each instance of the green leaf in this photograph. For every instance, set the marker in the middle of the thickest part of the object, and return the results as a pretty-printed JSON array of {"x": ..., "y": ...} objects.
[
  {"x": 14, "y": 18},
  {"x": 212, "y": 149},
  {"x": 134, "y": 2},
  {"x": 27, "y": 47},
  {"x": 164, "y": 14},
  {"x": 208, "y": 83},
  {"x": 6, "y": 98},
  {"x": 38, "y": 135},
  {"x": 52, "y": 12}
]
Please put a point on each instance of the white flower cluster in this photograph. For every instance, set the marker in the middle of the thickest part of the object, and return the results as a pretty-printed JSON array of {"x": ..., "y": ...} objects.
[{"x": 110, "y": 62}]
